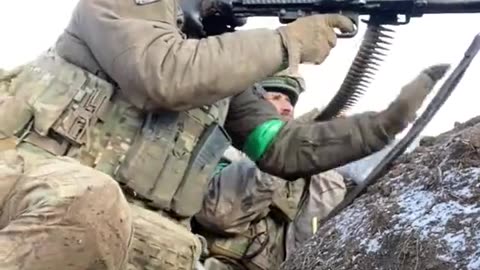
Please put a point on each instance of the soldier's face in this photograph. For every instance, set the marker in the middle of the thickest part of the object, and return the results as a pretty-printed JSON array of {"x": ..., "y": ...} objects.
[{"x": 282, "y": 103}]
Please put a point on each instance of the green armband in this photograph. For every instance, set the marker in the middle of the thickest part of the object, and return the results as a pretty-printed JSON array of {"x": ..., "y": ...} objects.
[{"x": 261, "y": 138}]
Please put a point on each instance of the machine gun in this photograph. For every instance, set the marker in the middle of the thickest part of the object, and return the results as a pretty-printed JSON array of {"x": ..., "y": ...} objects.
[
  {"x": 289, "y": 10},
  {"x": 376, "y": 41}
]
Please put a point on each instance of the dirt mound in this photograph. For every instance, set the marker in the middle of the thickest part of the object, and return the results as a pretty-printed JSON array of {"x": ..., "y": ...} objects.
[{"x": 423, "y": 214}]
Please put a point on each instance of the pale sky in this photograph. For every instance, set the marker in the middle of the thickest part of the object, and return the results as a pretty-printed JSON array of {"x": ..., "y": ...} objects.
[{"x": 28, "y": 27}]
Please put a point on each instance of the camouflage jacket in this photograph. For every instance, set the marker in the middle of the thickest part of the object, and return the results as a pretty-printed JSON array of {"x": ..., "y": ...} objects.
[{"x": 244, "y": 205}]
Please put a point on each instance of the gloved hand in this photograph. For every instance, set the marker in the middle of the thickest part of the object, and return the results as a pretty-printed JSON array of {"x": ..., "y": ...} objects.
[
  {"x": 403, "y": 109},
  {"x": 310, "y": 39}
]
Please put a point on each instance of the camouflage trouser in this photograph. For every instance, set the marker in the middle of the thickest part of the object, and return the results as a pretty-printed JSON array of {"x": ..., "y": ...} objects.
[
  {"x": 58, "y": 214},
  {"x": 161, "y": 244}
]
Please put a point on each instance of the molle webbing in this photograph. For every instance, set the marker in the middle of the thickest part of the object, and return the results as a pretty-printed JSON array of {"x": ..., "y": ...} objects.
[
  {"x": 165, "y": 157},
  {"x": 172, "y": 158}
]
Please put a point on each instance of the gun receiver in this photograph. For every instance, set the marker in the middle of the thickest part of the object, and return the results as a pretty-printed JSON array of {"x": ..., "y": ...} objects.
[{"x": 288, "y": 10}]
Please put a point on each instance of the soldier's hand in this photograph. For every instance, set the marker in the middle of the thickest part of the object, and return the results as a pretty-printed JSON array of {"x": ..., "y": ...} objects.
[
  {"x": 310, "y": 39},
  {"x": 403, "y": 109}
]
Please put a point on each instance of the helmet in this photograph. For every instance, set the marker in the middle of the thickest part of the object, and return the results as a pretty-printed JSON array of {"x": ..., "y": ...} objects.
[{"x": 286, "y": 83}]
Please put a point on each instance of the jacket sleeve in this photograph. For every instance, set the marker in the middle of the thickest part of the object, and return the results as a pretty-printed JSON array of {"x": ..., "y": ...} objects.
[
  {"x": 302, "y": 148},
  {"x": 237, "y": 195},
  {"x": 145, "y": 52}
]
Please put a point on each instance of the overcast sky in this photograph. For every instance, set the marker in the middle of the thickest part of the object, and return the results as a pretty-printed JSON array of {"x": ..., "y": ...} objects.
[{"x": 28, "y": 27}]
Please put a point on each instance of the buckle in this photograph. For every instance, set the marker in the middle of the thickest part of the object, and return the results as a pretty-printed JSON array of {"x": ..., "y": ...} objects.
[{"x": 87, "y": 107}]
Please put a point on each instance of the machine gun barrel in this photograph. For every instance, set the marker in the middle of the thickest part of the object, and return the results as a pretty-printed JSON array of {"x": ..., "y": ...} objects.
[{"x": 450, "y": 6}]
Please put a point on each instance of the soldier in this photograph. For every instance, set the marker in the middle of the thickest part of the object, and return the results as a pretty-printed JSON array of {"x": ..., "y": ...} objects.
[
  {"x": 124, "y": 96},
  {"x": 251, "y": 219}
]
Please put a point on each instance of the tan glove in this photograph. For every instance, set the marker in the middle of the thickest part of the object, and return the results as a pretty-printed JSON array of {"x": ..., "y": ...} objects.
[
  {"x": 310, "y": 39},
  {"x": 403, "y": 109}
]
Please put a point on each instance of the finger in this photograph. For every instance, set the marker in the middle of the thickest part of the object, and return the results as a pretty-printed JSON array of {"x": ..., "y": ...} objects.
[
  {"x": 436, "y": 72},
  {"x": 341, "y": 22}
]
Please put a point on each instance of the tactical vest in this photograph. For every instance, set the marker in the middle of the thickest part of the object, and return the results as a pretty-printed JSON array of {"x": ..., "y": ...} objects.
[{"x": 165, "y": 158}]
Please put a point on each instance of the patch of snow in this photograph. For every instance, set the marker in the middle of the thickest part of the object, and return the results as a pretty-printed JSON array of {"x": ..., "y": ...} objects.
[
  {"x": 469, "y": 175},
  {"x": 372, "y": 245},
  {"x": 424, "y": 212},
  {"x": 456, "y": 242},
  {"x": 355, "y": 223},
  {"x": 465, "y": 192},
  {"x": 462, "y": 181},
  {"x": 414, "y": 203},
  {"x": 445, "y": 258},
  {"x": 474, "y": 263}
]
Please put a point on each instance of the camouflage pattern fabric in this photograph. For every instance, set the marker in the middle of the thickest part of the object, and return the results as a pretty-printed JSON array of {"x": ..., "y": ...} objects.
[
  {"x": 55, "y": 215},
  {"x": 54, "y": 211},
  {"x": 160, "y": 243},
  {"x": 247, "y": 210}
]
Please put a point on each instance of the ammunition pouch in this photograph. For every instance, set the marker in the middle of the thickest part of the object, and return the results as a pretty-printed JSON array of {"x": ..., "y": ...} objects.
[
  {"x": 165, "y": 157},
  {"x": 86, "y": 108},
  {"x": 60, "y": 104},
  {"x": 171, "y": 160}
]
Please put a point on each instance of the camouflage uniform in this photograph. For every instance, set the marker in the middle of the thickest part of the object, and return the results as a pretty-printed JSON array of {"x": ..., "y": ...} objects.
[
  {"x": 254, "y": 220},
  {"x": 124, "y": 96}
]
